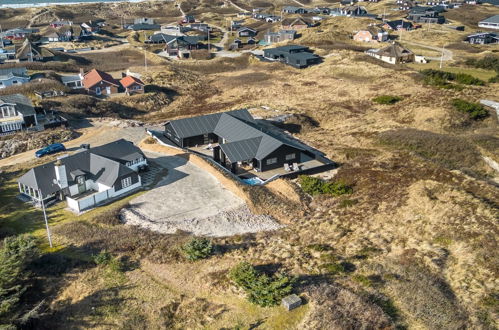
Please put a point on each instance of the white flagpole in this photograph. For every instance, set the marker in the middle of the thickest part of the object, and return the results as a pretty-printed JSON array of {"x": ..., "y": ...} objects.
[{"x": 45, "y": 216}]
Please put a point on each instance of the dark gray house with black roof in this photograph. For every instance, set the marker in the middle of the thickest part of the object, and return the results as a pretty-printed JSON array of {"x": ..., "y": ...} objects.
[
  {"x": 427, "y": 15},
  {"x": 294, "y": 55},
  {"x": 86, "y": 178},
  {"x": 240, "y": 140}
]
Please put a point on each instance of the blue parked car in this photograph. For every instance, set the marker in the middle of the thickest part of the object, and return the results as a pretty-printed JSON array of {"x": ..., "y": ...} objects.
[{"x": 51, "y": 149}]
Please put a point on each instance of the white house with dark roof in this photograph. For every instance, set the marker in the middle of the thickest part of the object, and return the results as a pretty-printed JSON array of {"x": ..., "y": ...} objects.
[
  {"x": 16, "y": 113},
  {"x": 87, "y": 178},
  {"x": 490, "y": 23},
  {"x": 13, "y": 76},
  {"x": 73, "y": 81}
]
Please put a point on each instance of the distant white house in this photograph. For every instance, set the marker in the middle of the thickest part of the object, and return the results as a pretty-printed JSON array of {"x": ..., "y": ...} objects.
[
  {"x": 73, "y": 81},
  {"x": 490, "y": 23},
  {"x": 13, "y": 76},
  {"x": 16, "y": 113}
]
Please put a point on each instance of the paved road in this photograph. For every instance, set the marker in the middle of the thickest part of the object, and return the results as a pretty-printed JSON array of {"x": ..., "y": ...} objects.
[
  {"x": 448, "y": 54},
  {"x": 99, "y": 133}
]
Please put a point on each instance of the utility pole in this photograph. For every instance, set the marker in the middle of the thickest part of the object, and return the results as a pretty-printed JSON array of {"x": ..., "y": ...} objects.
[
  {"x": 30, "y": 49},
  {"x": 1, "y": 35},
  {"x": 209, "y": 46},
  {"x": 442, "y": 57},
  {"x": 45, "y": 216},
  {"x": 145, "y": 52}
]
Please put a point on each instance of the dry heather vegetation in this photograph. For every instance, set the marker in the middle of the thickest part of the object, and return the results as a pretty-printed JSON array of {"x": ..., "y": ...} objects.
[{"x": 413, "y": 246}]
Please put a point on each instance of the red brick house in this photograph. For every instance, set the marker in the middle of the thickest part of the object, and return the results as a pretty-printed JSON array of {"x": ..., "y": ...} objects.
[
  {"x": 132, "y": 85},
  {"x": 99, "y": 83},
  {"x": 295, "y": 23},
  {"x": 371, "y": 34}
]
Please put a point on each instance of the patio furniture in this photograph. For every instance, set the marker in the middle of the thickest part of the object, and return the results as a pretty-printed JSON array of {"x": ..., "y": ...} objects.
[
  {"x": 296, "y": 167},
  {"x": 287, "y": 168}
]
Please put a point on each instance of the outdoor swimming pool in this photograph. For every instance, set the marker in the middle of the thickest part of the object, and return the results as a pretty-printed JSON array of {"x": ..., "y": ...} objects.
[{"x": 255, "y": 181}]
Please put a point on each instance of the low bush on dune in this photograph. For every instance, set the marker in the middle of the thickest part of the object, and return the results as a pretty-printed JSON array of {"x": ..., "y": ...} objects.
[
  {"x": 474, "y": 110},
  {"x": 387, "y": 99},
  {"x": 315, "y": 186},
  {"x": 489, "y": 62},
  {"x": 444, "y": 79},
  {"x": 261, "y": 289}
]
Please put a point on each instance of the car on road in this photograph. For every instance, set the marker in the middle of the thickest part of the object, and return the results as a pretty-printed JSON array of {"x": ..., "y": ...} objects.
[{"x": 51, "y": 149}]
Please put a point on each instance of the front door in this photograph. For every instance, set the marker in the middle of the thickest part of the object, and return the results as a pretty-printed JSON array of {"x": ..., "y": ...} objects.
[
  {"x": 108, "y": 90},
  {"x": 81, "y": 185}
]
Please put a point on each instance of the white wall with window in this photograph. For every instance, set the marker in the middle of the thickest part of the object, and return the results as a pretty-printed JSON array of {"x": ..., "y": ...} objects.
[
  {"x": 113, "y": 192},
  {"x": 126, "y": 182},
  {"x": 8, "y": 111}
]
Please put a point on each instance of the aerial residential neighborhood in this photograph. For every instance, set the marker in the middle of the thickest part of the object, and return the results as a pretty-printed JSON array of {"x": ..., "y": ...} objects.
[{"x": 242, "y": 164}]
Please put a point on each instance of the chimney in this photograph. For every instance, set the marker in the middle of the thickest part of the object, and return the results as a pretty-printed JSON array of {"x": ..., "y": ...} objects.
[
  {"x": 60, "y": 174},
  {"x": 82, "y": 72}
]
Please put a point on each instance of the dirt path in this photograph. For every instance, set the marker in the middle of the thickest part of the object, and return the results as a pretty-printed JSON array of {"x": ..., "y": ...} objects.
[
  {"x": 238, "y": 8},
  {"x": 299, "y": 3},
  {"x": 180, "y": 8},
  {"x": 32, "y": 20},
  {"x": 448, "y": 54}
]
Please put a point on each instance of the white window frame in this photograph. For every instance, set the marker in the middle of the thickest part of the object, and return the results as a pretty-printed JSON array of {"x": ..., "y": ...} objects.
[
  {"x": 126, "y": 182},
  {"x": 291, "y": 156},
  {"x": 271, "y": 161}
]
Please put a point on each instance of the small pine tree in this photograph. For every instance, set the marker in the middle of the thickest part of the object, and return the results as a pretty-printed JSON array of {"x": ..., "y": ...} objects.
[
  {"x": 15, "y": 256},
  {"x": 261, "y": 289},
  {"x": 198, "y": 248}
]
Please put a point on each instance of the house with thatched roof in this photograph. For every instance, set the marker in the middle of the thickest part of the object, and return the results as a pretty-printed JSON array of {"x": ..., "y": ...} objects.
[{"x": 393, "y": 54}]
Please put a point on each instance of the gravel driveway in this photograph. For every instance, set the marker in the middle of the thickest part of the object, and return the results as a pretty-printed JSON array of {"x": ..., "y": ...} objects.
[{"x": 192, "y": 200}]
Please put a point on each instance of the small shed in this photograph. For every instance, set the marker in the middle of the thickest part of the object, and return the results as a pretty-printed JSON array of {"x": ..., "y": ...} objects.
[{"x": 291, "y": 302}]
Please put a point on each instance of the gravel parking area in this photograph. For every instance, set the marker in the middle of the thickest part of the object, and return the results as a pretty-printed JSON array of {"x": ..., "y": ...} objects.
[{"x": 192, "y": 200}]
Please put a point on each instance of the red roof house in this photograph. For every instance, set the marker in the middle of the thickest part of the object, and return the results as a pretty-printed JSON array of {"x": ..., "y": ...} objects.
[
  {"x": 98, "y": 83},
  {"x": 132, "y": 85}
]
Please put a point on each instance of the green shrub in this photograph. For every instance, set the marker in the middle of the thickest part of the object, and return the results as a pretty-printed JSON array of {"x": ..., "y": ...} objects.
[
  {"x": 364, "y": 280},
  {"x": 103, "y": 258},
  {"x": 197, "y": 248},
  {"x": 261, "y": 289},
  {"x": 474, "y": 110},
  {"x": 489, "y": 62},
  {"x": 315, "y": 186},
  {"x": 494, "y": 79},
  {"x": 441, "y": 79},
  {"x": 387, "y": 99},
  {"x": 333, "y": 268},
  {"x": 348, "y": 203},
  {"x": 467, "y": 79},
  {"x": 16, "y": 256},
  {"x": 320, "y": 247}
]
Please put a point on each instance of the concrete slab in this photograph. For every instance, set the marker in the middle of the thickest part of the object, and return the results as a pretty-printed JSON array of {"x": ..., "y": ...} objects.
[{"x": 192, "y": 200}]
